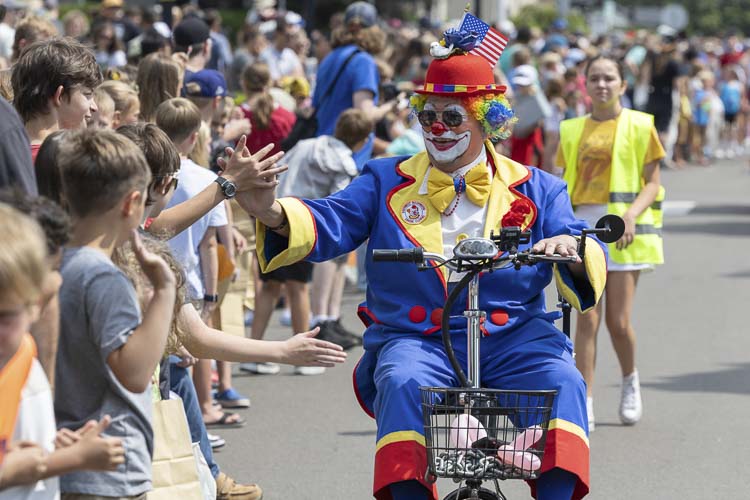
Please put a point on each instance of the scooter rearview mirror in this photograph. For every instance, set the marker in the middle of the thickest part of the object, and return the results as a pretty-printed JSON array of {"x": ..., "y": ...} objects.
[{"x": 609, "y": 228}]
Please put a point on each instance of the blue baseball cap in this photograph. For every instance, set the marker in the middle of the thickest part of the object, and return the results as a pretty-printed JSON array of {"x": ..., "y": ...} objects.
[
  {"x": 205, "y": 83},
  {"x": 560, "y": 24},
  {"x": 556, "y": 40},
  {"x": 362, "y": 13}
]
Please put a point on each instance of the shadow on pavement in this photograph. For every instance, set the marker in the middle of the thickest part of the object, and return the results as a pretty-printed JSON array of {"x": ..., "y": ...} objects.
[
  {"x": 737, "y": 274},
  {"x": 731, "y": 380},
  {"x": 721, "y": 210},
  {"x": 718, "y": 228},
  {"x": 610, "y": 424},
  {"x": 358, "y": 433}
]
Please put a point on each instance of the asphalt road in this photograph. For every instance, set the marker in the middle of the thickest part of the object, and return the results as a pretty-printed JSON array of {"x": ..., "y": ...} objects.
[{"x": 306, "y": 437}]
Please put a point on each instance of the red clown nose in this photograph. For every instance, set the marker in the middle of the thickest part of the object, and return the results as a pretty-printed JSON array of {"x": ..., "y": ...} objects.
[{"x": 438, "y": 128}]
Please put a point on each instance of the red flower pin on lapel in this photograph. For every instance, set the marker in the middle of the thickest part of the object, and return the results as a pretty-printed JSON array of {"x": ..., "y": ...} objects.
[{"x": 516, "y": 216}]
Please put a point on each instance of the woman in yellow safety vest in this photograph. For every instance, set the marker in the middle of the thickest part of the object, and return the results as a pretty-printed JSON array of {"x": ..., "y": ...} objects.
[{"x": 611, "y": 164}]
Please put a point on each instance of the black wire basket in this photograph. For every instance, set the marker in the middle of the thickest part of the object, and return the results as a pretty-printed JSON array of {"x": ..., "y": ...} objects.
[{"x": 485, "y": 434}]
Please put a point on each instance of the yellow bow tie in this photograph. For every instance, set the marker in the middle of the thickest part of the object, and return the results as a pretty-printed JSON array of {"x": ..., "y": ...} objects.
[{"x": 442, "y": 188}]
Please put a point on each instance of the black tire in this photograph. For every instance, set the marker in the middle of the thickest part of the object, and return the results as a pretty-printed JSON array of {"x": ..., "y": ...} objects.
[{"x": 465, "y": 492}]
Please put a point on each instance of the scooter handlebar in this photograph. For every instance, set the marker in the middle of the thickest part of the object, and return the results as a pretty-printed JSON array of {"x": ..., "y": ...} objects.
[{"x": 412, "y": 255}]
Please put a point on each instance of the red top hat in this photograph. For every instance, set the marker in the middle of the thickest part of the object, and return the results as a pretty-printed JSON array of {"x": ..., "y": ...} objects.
[{"x": 459, "y": 75}]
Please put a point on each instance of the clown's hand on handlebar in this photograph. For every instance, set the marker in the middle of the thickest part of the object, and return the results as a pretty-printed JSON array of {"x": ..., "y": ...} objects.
[{"x": 563, "y": 245}]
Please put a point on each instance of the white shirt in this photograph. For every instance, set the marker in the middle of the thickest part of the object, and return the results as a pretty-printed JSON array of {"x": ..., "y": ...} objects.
[
  {"x": 467, "y": 218},
  {"x": 280, "y": 63},
  {"x": 193, "y": 180},
  {"x": 7, "y": 36}
]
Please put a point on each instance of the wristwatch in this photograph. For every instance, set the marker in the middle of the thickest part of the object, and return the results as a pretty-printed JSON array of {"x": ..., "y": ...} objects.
[
  {"x": 210, "y": 298},
  {"x": 228, "y": 188},
  {"x": 284, "y": 223}
]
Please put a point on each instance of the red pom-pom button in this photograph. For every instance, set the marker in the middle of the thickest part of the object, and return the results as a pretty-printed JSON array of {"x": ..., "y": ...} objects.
[
  {"x": 499, "y": 317},
  {"x": 437, "y": 316},
  {"x": 417, "y": 314}
]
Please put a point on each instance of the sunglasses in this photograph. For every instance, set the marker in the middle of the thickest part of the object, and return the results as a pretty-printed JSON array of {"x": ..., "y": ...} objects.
[
  {"x": 173, "y": 181},
  {"x": 451, "y": 117}
]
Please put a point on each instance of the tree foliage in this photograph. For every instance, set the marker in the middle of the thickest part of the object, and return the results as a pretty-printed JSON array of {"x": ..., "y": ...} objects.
[
  {"x": 541, "y": 16},
  {"x": 708, "y": 17}
]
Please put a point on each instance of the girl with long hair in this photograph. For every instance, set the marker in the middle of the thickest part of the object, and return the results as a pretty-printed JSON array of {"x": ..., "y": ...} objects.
[
  {"x": 159, "y": 79},
  {"x": 611, "y": 164},
  {"x": 270, "y": 122}
]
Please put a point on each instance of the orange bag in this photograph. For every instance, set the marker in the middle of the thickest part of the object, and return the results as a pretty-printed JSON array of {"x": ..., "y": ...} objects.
[{"x": 12, "y": 380}]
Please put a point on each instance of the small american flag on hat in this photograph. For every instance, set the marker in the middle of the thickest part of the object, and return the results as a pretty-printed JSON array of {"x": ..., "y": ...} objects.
[{"x": 491, "y": 42}]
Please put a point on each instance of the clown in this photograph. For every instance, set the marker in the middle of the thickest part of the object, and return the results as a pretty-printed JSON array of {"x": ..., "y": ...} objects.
[{"x": 458, "y": 187}]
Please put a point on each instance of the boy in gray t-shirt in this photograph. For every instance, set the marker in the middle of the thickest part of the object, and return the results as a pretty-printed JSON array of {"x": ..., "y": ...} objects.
[
  {"x": 108, "y": 352},
  {"x": 99, "y": 311}
]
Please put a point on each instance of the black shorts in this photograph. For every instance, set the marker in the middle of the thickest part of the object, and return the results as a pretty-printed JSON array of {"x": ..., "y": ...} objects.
[
  {"x": 301, "y": 271},
  {"x": 662, "y": 111},
  {"x": 662, "y": 120},
  {"x": 730, "y": 117}
]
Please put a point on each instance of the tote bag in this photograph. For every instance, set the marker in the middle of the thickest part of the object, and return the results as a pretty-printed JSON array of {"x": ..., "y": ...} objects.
[{"x": 174, "y": 466}]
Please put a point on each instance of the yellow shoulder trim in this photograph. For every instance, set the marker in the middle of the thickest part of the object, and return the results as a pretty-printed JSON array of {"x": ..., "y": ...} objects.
[
  {"x": 416, "y": 166},
  {"x": 510, "y": 172},
  {"x": 302, "y": 236}
]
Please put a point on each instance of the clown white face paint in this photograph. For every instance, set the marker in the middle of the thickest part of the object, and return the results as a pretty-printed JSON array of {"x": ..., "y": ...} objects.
[{"x": 445, "y": 145}]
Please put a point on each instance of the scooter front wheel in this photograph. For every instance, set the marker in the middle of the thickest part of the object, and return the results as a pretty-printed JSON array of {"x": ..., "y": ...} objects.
[{"x": 469, "y": 493}]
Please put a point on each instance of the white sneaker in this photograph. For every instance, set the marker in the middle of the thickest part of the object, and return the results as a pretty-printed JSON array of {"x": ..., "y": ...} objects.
[
  {"x": 631, "y": 406},
  {"x": 260, "y": 368},
  {"x": 286, "y": 317},
  {"x": 309, "y": 370},
  {"x": 216, "y": 441},
  {"x": 590, "y": 413}
]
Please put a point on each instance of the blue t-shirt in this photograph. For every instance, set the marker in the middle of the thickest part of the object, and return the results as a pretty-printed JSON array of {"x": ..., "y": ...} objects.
[
  {"x": 361, "y": 73},
  {"x": 731, "y": 96},
  {"x": 701, "y": 108}
]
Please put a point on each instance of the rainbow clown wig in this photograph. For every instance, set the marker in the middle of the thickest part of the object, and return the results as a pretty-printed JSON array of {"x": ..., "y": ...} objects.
[{"x": 492, "y": 110}]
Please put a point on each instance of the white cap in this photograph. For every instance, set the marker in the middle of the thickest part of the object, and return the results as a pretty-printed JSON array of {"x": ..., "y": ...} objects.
[{"x": 524, "y": 75}]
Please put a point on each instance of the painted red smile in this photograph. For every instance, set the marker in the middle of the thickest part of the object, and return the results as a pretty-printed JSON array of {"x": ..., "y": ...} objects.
[{"x": 443, "y": 144}]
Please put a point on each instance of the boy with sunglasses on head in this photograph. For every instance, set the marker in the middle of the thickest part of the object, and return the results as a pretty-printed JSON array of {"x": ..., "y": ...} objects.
[
  {"x": 197, "y": 248},
  {"x": 163, "y": 159}
]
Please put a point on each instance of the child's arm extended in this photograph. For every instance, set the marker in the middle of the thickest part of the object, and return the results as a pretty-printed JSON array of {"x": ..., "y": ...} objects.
[
  {"x": 134, "y": 363},
  {"x": 302, "y": 349},
  {"x": 180, "y": 217},
  {"x": 209, "y": 257},
  {"x": 240, "y": 169}
]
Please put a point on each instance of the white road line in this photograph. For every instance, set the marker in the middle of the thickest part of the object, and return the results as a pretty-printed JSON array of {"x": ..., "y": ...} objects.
[{"x": 677, "y": 208}]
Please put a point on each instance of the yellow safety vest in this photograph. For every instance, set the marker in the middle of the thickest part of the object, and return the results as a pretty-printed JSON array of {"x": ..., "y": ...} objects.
[{"x": 631, "y": 141}]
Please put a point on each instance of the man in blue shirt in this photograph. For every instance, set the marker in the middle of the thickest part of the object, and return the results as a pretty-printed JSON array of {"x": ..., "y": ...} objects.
[{"x": 357, "y": 85}]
